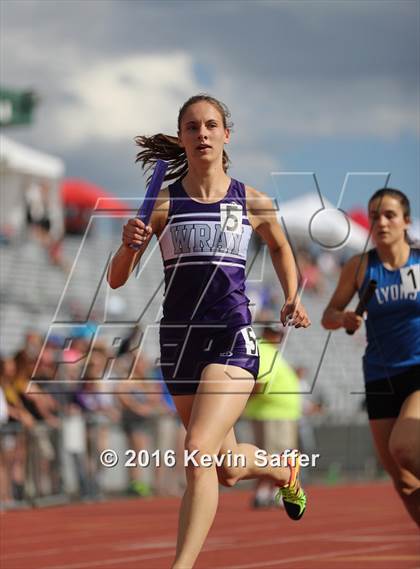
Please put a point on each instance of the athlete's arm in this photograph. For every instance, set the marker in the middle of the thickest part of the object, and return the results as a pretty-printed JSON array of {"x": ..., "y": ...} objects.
[
  {"x": 263, "y": 218},
  {"x": 135, "y": 232},
  {"x": 335, "y": 316}
]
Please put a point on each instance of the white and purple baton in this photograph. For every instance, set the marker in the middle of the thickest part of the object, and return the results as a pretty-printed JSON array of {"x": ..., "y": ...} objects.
[{"x": 145, "y": 210}]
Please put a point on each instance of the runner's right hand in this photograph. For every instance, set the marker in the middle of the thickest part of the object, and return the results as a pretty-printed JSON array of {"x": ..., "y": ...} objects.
[
  {"x": 351, "y": 321},
  {"x": 135, "y": 232}
]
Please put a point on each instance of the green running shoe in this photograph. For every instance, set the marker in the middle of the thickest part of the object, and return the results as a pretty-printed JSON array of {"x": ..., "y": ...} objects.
[
  {"x": 294, "y": 498},
  {"x": 140, "y": 489}
]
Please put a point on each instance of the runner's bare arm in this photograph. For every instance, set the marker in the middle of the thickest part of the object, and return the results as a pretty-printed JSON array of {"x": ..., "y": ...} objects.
[
  {"x": 263, "y": 218},
  {"x": 335, "y": 316}
]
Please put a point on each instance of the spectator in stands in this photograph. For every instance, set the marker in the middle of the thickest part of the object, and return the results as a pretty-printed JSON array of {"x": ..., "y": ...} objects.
[
  {"x": 44, "y": 410},
  {"x": 19, "y": 421},
  {"x": 275, "y": 406},
  {"x": 38, "y": 218},
  {"x": 5, "y": 486},
  {"x": 38, "y": 402},
  {"x": 37, "y": 210},
  {"x": 170, "y": 434},
  {"x": 97, "y": 401},
  {"x": 32, "y": 344},
  {"x": 140, "y": 402},
  {"x": 313, "y": 404}
]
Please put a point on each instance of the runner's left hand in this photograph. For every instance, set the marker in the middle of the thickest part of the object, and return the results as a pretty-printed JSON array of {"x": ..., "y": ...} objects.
[{"x": 294, "y": 314}]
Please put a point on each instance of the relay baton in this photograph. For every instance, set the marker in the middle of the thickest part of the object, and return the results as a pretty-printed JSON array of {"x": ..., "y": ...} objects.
[
  {"x": 364, "y": 299},
  {"x": 145, "y": 211}
]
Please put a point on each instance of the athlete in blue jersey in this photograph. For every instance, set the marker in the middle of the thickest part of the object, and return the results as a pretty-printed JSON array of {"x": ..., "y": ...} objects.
[
  {"x": 392, "y": 359},
  {"x": 209, "y": 353}
]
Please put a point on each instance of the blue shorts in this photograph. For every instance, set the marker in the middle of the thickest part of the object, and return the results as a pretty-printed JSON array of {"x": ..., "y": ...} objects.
[{"x": 186, "y": 349}]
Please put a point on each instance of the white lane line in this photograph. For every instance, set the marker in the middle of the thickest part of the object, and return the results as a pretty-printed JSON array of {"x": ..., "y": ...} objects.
[
  {"x": 341, "y": 536},
  {"x": 211, "y": 542},
  {"x": 238, "y": 528},
  {"x": 103, "y": 562},
  {"x": 275, "y": 562},
  {"x": 149, "y": 545},
  {"x": 92, "y": 546},
  {"x": 290, "y": 560},
  {"x": 212, "y": 545},
  {"x": 374, "y": 538}
]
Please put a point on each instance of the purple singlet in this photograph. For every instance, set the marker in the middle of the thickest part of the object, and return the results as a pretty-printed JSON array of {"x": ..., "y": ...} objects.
[{"x": 206, "y": 318}]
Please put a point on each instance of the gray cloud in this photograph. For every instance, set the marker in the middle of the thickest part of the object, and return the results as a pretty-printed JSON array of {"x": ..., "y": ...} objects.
[
  {"x": 318, "y": 39},
  {"x": 286, "y": 69}
]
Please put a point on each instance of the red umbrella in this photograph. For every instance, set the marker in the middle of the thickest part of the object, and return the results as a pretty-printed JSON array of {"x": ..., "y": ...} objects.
[
  {"x": 359, "y": 215},
  {"x": 84, "y": 195},
  {"x": 81, "y": 198}
]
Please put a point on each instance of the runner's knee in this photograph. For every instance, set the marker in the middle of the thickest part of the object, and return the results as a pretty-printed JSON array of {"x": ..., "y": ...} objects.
[
  {"x": 196, "y": 447},
  {"x": 404, "y": 455}
]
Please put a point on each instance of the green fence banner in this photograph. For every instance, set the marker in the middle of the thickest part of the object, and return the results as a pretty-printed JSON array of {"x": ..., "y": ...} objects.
[{"x": 16, "y": 107}]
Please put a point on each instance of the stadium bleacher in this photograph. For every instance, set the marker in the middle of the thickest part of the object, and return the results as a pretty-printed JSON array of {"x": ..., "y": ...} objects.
[{"x": 36, "y": 294}]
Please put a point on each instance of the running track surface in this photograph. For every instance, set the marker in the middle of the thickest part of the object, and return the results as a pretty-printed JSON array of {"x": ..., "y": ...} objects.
[{"x": 345, "y": 527}]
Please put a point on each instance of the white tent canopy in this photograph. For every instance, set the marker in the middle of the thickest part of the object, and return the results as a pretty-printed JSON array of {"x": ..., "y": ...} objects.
[
  {"x": 307, "y": 219},
  {"x": 26, "y": 160}
]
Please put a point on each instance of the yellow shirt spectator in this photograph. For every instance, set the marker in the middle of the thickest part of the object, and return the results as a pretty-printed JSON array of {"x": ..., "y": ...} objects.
[{"x": 281, "y": 398}]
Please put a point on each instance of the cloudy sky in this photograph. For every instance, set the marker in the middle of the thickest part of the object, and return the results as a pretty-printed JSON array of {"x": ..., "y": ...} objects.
[{"x": 313, "y": 86}]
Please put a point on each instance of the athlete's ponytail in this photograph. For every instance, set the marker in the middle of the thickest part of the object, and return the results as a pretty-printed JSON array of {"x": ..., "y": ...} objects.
[{"x": 165, "y": 147}]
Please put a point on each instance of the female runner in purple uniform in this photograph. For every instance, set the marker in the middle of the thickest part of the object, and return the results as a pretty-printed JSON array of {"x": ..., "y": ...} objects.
[
  {"x": 209, "y": 354},
  {"x": 392, "y": 359}
]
